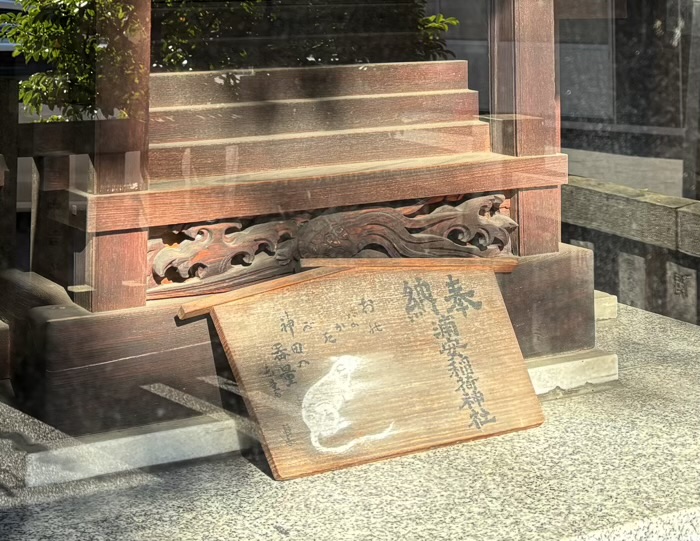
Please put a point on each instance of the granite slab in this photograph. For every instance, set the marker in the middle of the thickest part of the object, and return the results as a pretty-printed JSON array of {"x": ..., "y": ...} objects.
[{"x": 614, "y": 465}]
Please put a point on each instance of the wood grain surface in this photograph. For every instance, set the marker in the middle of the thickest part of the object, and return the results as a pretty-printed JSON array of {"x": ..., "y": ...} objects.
[
  {"x": 203, "y": 306},
  {"x": 110, "y": 273},
  {"x": 538, "y": 213},
  {"x": 498, "y": 264},
  {"x": 310, "y": 188},
  {"x": 196, "y": 160},
  {"x": 201, "y": 87},
  {"x": 218, "y": 121},
  {"x": 364, "y": 365}
]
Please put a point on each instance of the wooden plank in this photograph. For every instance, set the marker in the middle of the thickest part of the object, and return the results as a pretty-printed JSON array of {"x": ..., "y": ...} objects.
[
  {"x": 196, "y": 88},
  {"x": 219, "y": 121},
  {"x": 201, "y": 159},
  {"x": 203, "y": 306},
  {"x": 91, "y": 385},
  {"x": 108, "y": 397},
  {"x": 110, "y": 272},
  {"x": 331, "y": 379},
  {"x": 538, "y": 214},
  {"x": 311, "y": 188},
  {"x": 146, "y": 333},
  {"x": 332, "y": 360},
  {"x": 626, "y": 212},
  {"x": 500, "y": 264}
]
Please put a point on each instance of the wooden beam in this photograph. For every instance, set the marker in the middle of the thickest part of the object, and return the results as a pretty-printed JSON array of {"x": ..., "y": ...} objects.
[
  {"x": 187, "y": 88},
  {"x": 497, "y": 264},
  {"x": 272, "y": 193}
]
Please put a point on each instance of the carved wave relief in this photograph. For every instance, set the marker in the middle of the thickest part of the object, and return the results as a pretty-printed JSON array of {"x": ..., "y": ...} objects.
[
  {"x": 474, "y": 228},
  {"x": 194, "y": 259},
  {"x": 212, "y": 257}
]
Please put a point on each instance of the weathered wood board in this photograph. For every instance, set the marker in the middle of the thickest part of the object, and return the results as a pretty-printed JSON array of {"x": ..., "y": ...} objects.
[{"x": 366, "y": 364}]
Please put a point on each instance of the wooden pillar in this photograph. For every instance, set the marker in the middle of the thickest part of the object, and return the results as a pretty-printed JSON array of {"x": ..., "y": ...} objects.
[
  {"x": 525, "y": 107},
  {"x": 111, "y": 267}
]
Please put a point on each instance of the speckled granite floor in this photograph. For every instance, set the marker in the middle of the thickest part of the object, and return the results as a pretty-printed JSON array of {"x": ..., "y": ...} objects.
[{"x": 614, "y": 465}]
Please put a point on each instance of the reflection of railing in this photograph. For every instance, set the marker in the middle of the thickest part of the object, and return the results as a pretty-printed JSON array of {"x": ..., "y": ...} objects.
[{"x": 647, "y": 245}]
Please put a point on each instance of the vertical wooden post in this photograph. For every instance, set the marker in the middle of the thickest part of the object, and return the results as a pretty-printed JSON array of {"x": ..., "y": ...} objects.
[
  {"x": 52, "y": 242},
  {"x": 112, "y": 267},
  {"x": 9, "y": 113},
  {"x": 525, "y": 107}
]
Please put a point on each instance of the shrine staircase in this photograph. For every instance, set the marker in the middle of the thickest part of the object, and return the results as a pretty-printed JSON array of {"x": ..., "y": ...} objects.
[{"x": 229, "y": 145}]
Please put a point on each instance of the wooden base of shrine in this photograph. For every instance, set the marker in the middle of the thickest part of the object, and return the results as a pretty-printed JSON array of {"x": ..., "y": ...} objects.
[{"x": 87, "y": 374}]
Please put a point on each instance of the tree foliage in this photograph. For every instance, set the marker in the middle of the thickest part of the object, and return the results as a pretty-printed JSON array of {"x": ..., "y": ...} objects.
[
  {"x": 200, "y": 35},
  {"x": 87, "y": 46}
]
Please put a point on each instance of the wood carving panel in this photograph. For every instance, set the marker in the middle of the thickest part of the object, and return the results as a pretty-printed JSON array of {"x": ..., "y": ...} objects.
[
  {"x": 208, "y": 258},
  {"x": 474, "y": 228},
  {"x": 195, "y": 259}
]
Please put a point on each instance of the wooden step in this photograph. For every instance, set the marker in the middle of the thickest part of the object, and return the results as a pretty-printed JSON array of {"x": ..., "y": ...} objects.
[
  {"x": 291, "y": 190},
  {"x": 202, "y": 159},
  {"x": 171, "y": 124},
  {"x": 198, "y": 88}
]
